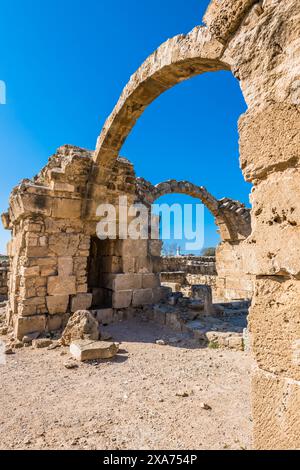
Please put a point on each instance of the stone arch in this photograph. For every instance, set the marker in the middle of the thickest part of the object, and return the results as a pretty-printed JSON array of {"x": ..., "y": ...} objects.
[
  {"x": 232, "y": 218},
  {"x": 178, "y": 59}
]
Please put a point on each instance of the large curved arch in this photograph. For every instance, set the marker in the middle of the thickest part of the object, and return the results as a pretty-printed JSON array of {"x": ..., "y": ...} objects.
[
  {"x": 232, "y": 217},
  {"x": 178, "y": 59}
]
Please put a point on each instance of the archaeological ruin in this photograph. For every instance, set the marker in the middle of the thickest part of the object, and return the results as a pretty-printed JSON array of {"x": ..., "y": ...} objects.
[{"x": 58, "y": 265}]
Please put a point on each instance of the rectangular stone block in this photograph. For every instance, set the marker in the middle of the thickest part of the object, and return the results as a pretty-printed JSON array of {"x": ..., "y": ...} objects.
[
  {"x": 81, "y": 302},
  {"x": 138, "y": 248},
  {"x": 122, "y": 299},
  {"x": 87, "y": 350},
  {"x": 32, "y": 306},
  {"x": 31, "y": 324},
  {"x": 105, "y": 316},
  {"x": 57, "y": 304},
  {"x": 30, "y": 272},
  {"x": 36, "y": 251},
  {"x": 122, "y": 281},
  {"x": 66, "y": 187},
  {"x": 150, "y": 281},
  {"x": 42, "y": 262},
  {"x": 129, "y": 263},
  {"x": 273, "y": 247},
  {"x": 65, "y": 266},
  {"x": 64, "y": 208},
  {"x": 57, "y": 322},
  {"x": 64, "y": 244},
  {"x": 269, "y": 140},
  {"x": 142, "y": 297},
  {"x": 275, "y": 411},
  {"x": 275, "y": 327},
  {"x": 62, "y": 285}
]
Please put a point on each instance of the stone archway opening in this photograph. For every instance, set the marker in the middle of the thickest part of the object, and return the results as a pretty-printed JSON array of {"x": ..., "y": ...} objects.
[{"x": 100, "y": 263}]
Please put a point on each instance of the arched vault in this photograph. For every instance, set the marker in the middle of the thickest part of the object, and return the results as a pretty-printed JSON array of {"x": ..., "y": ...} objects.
[{"x": 232, "y": 217}]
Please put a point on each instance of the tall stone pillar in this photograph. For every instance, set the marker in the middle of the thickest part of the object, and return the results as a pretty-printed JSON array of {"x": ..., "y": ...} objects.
[{"x": 265, "y": 55}]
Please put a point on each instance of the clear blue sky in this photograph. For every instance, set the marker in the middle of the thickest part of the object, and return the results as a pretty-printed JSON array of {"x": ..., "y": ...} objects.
[{"x": 65, "y": 63}]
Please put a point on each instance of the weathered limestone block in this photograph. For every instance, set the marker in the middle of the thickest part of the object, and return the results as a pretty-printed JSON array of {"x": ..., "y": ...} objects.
[
  {"x": 36, "y": 251},
  {"x": 223, "y": 17},
  {"x": 81, "y": 302},
  {"x": 142, "y": 297},
  {"x": 150, "y": 281},
  {"x": 276, "y": 412},
  {"x": 104, "y": 316},
  {"x": 30, "y": 324},
  {"x": 275, "y": 326},
  {"x": 86, "y": 350},
  {"x": 203, "y": 294},
  {"x": 137, "y": 248},
  {"x": 64, "y": 208},
  {"x": 81, "y": 325},
  {"x": 64, "y": 244},
  {"x": 269, "y": 139},
  {"x": 129, "y": 264},
  {"x": 32, "y": 306},
  {"x": 143, "y": 265},
  {"x": 273, "y": 247},
  {"x": 26, "y": 203},
  {"x": 65, "y": 266},
  {"x": 122, "y": 298},
  {"x": 61, "y": 285},
  {"x": 123, "y": 281},
  {"x": 34, "y": 271},
  {"x": 57, "y": 322},
  {"x": 57, "y": 304},
  {"x": 264, "y": 54}
]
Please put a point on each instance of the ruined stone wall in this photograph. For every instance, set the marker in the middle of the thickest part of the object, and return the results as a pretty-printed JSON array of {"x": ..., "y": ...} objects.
[
  {"x": 225, "y": 273},
  {"x": 189, "y": 264},
  {"x": 52, "y": 237},
  {"x": 264, "y": 55},
  {"x": 180, "y": 271},
  {"x": 4, "y": 272}
]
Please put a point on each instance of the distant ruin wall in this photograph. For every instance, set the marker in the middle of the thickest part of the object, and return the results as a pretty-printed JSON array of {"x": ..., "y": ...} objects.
[
  {"x": 189, "y": 264},
  {"x": 225, "y": 273}
]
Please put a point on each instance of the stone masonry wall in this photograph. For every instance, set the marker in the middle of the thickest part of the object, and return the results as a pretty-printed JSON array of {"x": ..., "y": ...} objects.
[
  {"x": 4, "y": 271},
  {"x": 189, "y": 264},
  {"x": 50, "y": 247},
  {"x": 225, "y": 273}
]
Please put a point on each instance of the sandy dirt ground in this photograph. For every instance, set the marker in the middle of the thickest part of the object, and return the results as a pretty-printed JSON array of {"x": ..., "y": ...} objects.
[{"x": 148, "y": 397}]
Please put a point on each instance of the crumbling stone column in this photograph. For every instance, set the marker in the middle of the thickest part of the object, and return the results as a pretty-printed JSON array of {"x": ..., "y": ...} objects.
[
  {"x": 49, "y": 247},
  {"x": 265, "y": 56}
]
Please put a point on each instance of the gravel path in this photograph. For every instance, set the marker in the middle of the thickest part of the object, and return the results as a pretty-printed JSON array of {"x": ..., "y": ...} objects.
[{"x": 148, "y": 397}]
